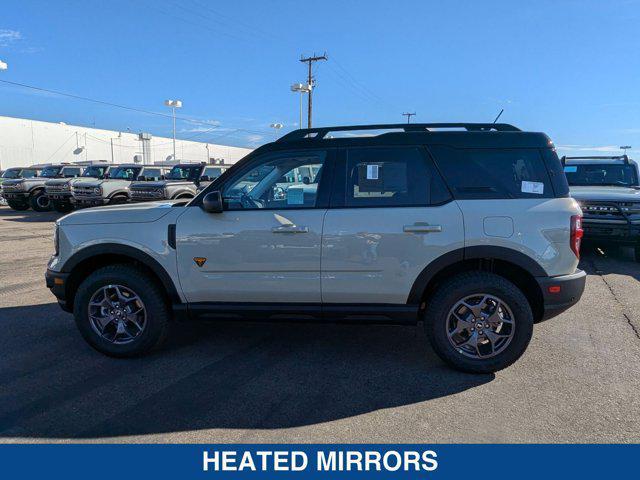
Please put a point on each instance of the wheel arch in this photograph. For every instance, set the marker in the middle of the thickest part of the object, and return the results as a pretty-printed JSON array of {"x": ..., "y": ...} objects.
[
  {"x": 515, "y": 266},
  {"x": 89, "y": 259}
]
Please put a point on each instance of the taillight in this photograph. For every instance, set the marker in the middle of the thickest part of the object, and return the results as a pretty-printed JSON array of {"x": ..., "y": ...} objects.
[{"x": 576, "y": 234}]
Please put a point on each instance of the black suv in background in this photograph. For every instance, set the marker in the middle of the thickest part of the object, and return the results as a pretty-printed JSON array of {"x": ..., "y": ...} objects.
[{"x": 608, "y": 191}]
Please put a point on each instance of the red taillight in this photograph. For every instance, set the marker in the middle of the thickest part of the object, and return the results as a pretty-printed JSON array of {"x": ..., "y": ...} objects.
[{"x": 576, "y": 234}]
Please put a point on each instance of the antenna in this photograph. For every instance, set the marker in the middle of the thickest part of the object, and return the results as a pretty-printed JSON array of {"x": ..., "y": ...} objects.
[
  {"x": 498, "y": 116},
  {"x": 409, "y": 115}
]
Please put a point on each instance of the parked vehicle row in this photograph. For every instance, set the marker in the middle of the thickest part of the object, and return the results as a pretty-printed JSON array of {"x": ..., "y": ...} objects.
[{"x": 65, "y": 187}]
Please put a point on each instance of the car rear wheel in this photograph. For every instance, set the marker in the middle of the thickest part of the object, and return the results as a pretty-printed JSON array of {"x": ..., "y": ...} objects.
[
  {"x": 118, "y": 200},
  {"x": 479, "y": 322},
  {"x": 39, "y": 201},
  {"x": 16, "y": 205},
  {"x": 121, "y": 311}
]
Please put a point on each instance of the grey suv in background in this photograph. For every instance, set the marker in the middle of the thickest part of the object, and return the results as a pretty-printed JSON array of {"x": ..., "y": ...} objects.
[
  {"x": 30, "y": 192},
  {"x": 180, "y": 183},
  {"x": 58, "y": 190},
  {"x": 608, "y": 191},
  {"x": 15, "y": 173},
  {"x": 114, "y": 189}
]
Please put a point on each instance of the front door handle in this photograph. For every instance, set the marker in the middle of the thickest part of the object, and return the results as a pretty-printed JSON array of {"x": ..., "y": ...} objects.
[
  {"x": 419, "y": 227},
  {"x": 290, "y": 229}
]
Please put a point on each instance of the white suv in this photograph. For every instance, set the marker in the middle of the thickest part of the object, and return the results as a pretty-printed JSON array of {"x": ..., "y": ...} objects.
[{"x": 467, "y": 227}]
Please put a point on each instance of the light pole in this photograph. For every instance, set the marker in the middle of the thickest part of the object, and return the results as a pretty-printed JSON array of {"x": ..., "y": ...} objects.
[
  {"x": 302, "y": 88},
  {"x": 174, "y": 104},
  {"x": 276, "y": 127}
]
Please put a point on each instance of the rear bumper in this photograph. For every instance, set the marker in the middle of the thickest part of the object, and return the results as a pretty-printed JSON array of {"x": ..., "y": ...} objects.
[
  {"x": 57, "y": 283},
  {"x": 562, "y": 292}
]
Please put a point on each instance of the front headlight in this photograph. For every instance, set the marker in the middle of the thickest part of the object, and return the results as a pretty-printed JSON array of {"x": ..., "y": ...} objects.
[
  {"x": 56, "y": 240},
  {"x": 97, "y": 190},
  {"x": 65, "y": 186}
]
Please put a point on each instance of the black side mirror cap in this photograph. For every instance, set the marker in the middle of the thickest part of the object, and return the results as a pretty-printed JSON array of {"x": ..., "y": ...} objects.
[
  {"x": 212, "y": 202},
  {"x": 205, "y": 178},
  {"x": 141, "y": 178}
]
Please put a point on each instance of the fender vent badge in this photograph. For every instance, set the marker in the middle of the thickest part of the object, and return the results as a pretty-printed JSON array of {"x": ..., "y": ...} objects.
[{"x": 200, "y": 261}]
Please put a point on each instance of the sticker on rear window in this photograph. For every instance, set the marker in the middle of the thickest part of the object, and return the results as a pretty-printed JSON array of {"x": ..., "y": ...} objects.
[
  {"x": 532, "y": 187},
  {"x": 570, "y": 169},
  {"x": 373, "y": 172}
]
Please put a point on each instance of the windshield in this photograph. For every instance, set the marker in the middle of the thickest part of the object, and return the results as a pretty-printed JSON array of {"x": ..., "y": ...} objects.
[
  {"x": 50, "y": 172},
  {"x": 12, "y": 173},
  {"x": 125, "y": 173},
  {"x": 614, "y": 174},
  {"x": 94, "y": 171},
  {"x": 184, "y": 173}
]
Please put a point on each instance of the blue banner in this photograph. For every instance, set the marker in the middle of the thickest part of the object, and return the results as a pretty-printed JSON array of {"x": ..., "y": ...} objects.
[{"x": 495, "y": 462}]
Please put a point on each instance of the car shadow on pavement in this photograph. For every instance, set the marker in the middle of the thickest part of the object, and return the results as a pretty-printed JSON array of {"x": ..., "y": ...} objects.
[
  {"x": 223, "y": 375},
  {"x": 603, "y": 260},
  {"x": 27, "y": 215}
]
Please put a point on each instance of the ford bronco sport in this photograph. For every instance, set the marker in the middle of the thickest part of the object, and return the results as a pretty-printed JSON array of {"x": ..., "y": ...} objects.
[
  {"x": 30, "y": 192},
  {"x": 466, "y": 227},
  {"x": 180, "y": 183},
  {"x": 58, "y": 190},
  {"x": 608, "y": 191},
  {"x": 114, "y": 189}
]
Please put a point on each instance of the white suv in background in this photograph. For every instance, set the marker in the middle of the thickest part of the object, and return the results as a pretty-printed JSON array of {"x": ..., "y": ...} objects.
[{"x": 467, "y": 227}]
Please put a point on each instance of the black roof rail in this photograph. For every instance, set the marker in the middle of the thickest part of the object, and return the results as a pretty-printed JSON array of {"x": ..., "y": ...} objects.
[
  {"x": 320, "y": 132},
  {"x": 596, "y": 157}
]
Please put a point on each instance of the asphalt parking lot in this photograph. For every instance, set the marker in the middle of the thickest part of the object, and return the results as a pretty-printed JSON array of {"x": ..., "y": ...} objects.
[{"x": 239, "y": 382}]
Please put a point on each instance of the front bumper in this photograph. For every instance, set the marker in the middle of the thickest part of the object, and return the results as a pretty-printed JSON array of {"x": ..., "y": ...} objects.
[
  {"x": 16, "y": 196},
  {"x": 561, "y": 293},
  {"x": 57, "y": 283},
  {"x": 620, "y": 233},
  {"x": 59, "y": 196},
  {"x": 89, "y": 201}
]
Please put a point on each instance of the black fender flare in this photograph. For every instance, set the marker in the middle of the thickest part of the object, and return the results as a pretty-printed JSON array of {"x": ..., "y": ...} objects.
[
  {"x": 119, "y": 192},
  {"x": 128, "y": 251},
  {"x": 469, "y": 253},
  {"x": 182, "y": 192}
]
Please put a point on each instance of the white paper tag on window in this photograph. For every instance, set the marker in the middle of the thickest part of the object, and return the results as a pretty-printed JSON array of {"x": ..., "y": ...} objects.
[
  {"x": 373, "y": 172},
  {"x": 532, "y": 187}
]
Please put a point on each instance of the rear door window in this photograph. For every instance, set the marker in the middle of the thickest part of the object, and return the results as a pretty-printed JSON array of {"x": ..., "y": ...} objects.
[
  {"x": 153, "y": 174},
  {"x": 390, "y": 177},
  {"x": 487, "y": 173}
]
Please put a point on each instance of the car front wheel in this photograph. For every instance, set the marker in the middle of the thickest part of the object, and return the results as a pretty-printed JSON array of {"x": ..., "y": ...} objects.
[
  {"x": 479, "y": 322},
  {"x": 121, "y": 311},
  {"x": 40, "y": 202}
]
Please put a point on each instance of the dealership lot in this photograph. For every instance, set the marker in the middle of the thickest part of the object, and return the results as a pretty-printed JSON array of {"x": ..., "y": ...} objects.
[{"x": 243, "y": 382}]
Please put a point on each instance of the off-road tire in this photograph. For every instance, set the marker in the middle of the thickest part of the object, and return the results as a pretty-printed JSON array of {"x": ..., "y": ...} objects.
[
  {"x": 464, "y": 285},
  {"x": 39, "y": 201},
  {"x": 19, "y": 206},
  {"x": 151, "y": 294},
  {"x": 118, "y": 200}
]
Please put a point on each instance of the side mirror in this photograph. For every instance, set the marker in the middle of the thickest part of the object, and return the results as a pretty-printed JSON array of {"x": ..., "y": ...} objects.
[
  {"x": 142, "y": 178},
  {"x": 306, "y": 180},
  {"x": 205, "y": 178},
  {"x": 162, "y": 177},
  {"x": 212, "y": 202},
  {"x": 107, "y": 175}
]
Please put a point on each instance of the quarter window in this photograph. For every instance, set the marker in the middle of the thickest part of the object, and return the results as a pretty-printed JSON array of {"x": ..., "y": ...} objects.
[
  {"x": 281, "y": 181},
  {"x": 489, "y": 173},
  {"x": 152, "y": 174}
]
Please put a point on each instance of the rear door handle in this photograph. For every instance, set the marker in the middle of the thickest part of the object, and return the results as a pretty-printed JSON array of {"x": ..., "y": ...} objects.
[
  {"x": 290, "y": 229},
  {"x": 422, "y": 228}
]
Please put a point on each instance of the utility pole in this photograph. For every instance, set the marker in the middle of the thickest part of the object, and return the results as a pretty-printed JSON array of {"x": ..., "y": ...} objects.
[
  {"x": 409, "y": 115},
  {"x": 310, "y": 81}
]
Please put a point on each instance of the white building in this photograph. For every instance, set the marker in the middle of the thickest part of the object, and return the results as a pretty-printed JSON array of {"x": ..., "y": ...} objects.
[{"x": 26, "y": 142}]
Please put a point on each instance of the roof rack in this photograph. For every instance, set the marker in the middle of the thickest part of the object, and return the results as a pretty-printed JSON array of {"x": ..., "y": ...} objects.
[
  {"x": 320, "y": 133},
  {"x": 625, "y": 158}
]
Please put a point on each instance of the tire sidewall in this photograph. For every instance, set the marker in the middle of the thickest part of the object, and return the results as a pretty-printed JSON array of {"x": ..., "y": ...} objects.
[
  {"x": 150, "y": 296},
  {"x": 35, "y": 199},
  {"x": 436, "y": 325}
]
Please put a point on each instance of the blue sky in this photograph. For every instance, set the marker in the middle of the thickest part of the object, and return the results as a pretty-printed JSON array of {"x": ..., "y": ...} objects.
[{"x": 568, "y": 68}]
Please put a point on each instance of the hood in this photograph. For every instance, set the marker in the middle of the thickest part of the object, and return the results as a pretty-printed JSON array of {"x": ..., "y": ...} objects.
[
  {"x": 95, "y": 182},
  {"x": 57, "y": 181},
  {"x": 605, "y": 194},
  {"x": 15, "y": 181},
  {"x": 126, "y": 213}
]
